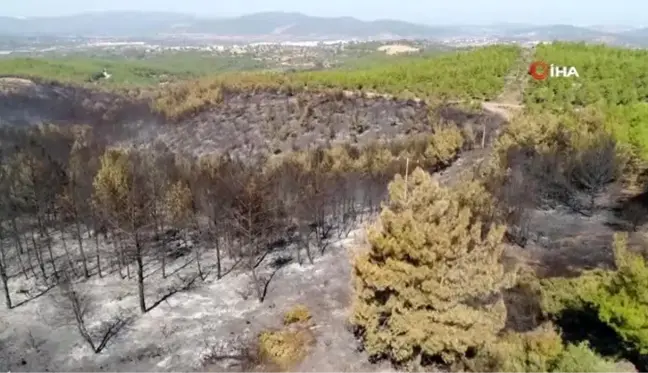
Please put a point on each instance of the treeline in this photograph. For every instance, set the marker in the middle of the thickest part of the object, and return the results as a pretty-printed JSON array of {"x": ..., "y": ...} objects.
[
  {"x": 63, "y": 191},
  {"x": 477, "y": 74}
]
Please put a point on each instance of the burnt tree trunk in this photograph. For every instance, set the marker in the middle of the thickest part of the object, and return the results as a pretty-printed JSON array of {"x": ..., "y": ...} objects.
[{"x": 140, "y": 274}]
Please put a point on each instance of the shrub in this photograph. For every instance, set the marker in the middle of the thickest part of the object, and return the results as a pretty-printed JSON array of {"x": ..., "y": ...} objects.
[
  {"x": 622, "y": 303},
  {"x": 430, "y": 283},
  {"x": 284, "y": 347},
  {"x": 619, "y": 298},
  {"x": 580, "y": 358},
  {"x": 532, "y": 351},
  {"x": 299, "y": 313},
  {"x": 559, "y": 294},
  {"x": 444, "y": 145},
  {"x": 540, "y": 350}
]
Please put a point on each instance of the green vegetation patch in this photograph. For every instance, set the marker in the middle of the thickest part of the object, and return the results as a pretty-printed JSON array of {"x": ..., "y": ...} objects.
[
  {"x": 617, "y": 298},
  {"x": 629, "y": 125},
  {"x": 610, "y": 92},
  {"x": 127, "y": 71},
  {"x": 478, "y": 74},
  {"x": 540, "y": 350},
  {"x": 82, "y": 69},
  {"x": 607, "y": 75}
]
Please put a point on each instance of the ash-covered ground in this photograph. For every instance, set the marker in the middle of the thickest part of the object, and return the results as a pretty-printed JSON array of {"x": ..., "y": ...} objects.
[{"x": 193, "y": 329}]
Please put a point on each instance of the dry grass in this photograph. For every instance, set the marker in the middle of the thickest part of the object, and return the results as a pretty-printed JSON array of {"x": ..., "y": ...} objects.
[
  {"x": 297, "y": 314},
  {"x": 283, "y": 349},
  {"x": 286, "y": 347}
]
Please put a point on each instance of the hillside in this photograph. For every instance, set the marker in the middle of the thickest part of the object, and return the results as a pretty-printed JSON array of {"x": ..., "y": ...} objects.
[
  {"x": 463, "y": 75},
  {"x": 283, "y": 113},
  {"x": 485, "y": 222}
]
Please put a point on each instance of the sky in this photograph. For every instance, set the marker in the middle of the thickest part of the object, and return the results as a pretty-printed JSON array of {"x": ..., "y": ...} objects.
[{"x": 576, "y": 12}]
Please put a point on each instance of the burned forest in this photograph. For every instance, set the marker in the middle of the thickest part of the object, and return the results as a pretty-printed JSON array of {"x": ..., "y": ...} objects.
[{"x": 386, "y": 219}]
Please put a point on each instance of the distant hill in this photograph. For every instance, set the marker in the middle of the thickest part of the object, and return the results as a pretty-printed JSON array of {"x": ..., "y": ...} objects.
[
  {"x": 637, "y": 37},
  {"x": 300, "y": 25},
  {"x": 259, "y": 24},
  {"x": 290, "y": 26},
  {"x": 594, "y": 34},
  {"x": 96, "y": 24},
  {"x": 562, "y": 32},
  {"x": 642, "y": 32}
]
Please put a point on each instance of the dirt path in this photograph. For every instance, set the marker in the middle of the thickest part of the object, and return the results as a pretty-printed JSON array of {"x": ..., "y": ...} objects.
[
  {"x": 510, "y": 101},
  {"x": 503, "y": 109},
  {"x": 507, "y": 105},
  {"x": 517, "y": 80}
]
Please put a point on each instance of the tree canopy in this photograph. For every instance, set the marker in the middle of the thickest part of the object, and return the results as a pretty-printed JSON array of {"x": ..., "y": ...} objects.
[{"x": 431, "y": 279}]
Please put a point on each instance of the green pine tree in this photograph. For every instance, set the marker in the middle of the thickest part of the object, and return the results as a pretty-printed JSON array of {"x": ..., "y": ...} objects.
[{"x": 431, "y": 281}]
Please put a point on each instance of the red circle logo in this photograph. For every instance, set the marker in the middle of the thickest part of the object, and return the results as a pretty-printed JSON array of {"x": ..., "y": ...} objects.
[{"x": 539, "y": 70}]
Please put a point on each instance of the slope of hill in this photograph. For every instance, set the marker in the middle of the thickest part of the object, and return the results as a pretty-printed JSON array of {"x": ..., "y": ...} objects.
[
  {"x": 293, "y": 111},
  {"x": 477, "y": 74}
]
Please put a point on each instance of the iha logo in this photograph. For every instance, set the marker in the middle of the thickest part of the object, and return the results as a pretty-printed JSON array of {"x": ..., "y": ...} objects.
[{"x": 540, "y": 70}]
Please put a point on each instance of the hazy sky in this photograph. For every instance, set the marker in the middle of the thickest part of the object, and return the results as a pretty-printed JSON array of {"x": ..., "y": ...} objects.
[{"x": 579, "y": 12}]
